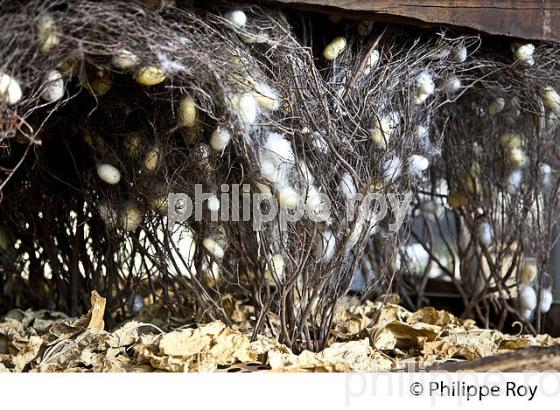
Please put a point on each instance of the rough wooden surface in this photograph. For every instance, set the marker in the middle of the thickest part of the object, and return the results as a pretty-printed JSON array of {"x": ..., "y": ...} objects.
[
  {"x": 528, "y": 359},
  {"x": 530, "y": 19}
]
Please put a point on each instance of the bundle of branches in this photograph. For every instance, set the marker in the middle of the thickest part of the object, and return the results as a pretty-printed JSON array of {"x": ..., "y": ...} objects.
[
  {"x": 491, "y": 205},
  {"x": 117, "y": 115}
]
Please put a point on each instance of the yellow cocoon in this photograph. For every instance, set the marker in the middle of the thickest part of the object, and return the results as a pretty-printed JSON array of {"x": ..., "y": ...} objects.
[
  {"x": 276, "y": 266},
  {"x": 517, "y": 157},
  {"x": 100, "y": 84},
  {"x": 10, "y": 91},
  {"x": 133, "y": 144},
  {"x": 107, "y": 214},
  {"x": 213, "y": 248},
  {"x": 150, "y": 75},
  {"x": 131, "y": 217},
  {"x": 511, "y": 140},
  {"x": 383, "y": 129},
  {"x": 187, "y": 112},
  {"x": 151, "y": 160},
  {"x": 334, "y": 48},
  {"x": 551, "y": 99},
  {"x": 528, "y": 273},
  {"x": 47, "y": 33},
  {"x": 457, "y": 199},
  {"x": 159, "y": 203}
]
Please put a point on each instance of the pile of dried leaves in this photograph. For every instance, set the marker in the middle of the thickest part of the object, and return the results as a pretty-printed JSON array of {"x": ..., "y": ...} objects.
[{"x": 367, "y": 337}]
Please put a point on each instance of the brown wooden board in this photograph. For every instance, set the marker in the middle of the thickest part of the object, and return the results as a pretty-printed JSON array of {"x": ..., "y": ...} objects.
[{"x": 529, "y": 19}]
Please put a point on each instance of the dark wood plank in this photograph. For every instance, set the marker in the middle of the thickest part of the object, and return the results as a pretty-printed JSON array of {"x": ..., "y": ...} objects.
[{"x": 529, "y": 19}]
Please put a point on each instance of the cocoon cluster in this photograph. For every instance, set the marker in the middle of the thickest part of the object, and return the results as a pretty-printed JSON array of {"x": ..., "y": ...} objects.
[
  {"x": 10, "y": 90},
  {"x": 47, "y": 33},
  {"x": 424, "y": 87},
  {"x": 334, "y": 48},
  {"x": 108, "y": 174},
  {"x": 236, "y": 17},
  {"x": 213, "y": 248},
  {"x": 125, "y": 60},
  {"x": 383, "y": 128},
  {"x": 54, "y": 86},
  {"x": 525, "y": 53},
  {"x": 220, "y": 138}
]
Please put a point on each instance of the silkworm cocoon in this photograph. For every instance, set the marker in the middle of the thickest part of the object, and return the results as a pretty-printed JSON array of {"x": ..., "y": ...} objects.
[
  {"x": 485, "y": 233},
  {"x": 278, "y": 149},
  {"x": 527, "y": 314},
  {"x": 525, "y": 53},
  {"x": 347, "y": 187},
  {"x": 460, "y": 54},
  {"x": 551, "y": 99},
  {"x": 440, "y": 54},
  {"x": 133, "y": 144},
  {"x": 511, "y": 140},
  {"x": 150, "y": 75},
  {"x": 307, "y": 175},
  {"x": 213, "y": 248},
  {"x": 546, "y": 300},
  {"x": 213, "y": 203},
  {"x": 288, "y": 198},
  {"x": 545, "y": 172},
  {"x": 236, "y": 17},
  {"x": 220, "y": 138},
  {"x": 159, "y": 203},
  {"x": 54, "y": 86},
  {"x": 364, "y": 28},
  {"x": 131, "y": 217},
  {"x": 528, "y": 273},
  {"x": 517, "y": 157},
  {"x": 108, "y": 174},
  {"x": 266, "y": 97},
  {"x": 424, "y": 87},
  {"x": 334, "y": 48},
  {"x": 527, "y": 297},
  {"x": 47, "y": 33},
  {"x": 10, "y": 91},
  {"x": 496, "y": 106},
  {"x": 392, "y": 169},
  {"x": 125, "y": 60},
  {"x": 100, "y": 84},
  {"x": 457, "y": 199},
  {"x": 263, "y": 188},
  {"x": 245, "y": 107},
  {"x": 107, "y": 214},
  {"x": 326, "y": 246},
  {"x": 418, "y": 164},
  {"x": 319, "y": 142},
  {"x": 514, "y": 181},
  {"x": 383, "y": 129},
  {"x": 452, "y": 85},
  {"x": 371, "y": 63},
  {"x": 187, "y": 112},
  {"x": 277, "y": 265},
  {"x": 151, "y": 159}
]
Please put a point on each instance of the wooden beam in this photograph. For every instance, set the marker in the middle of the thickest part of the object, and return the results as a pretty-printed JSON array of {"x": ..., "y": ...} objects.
[{"x": 528, "y": 19}]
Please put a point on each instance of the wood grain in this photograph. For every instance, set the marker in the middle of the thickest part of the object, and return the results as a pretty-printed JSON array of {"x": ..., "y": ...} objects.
[{"x": 529, "y": 19}]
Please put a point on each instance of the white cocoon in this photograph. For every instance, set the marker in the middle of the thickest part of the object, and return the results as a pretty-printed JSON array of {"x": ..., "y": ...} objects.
[
  {"x": 131, "y": 217},
  {"x": 278, "y": 149},
  {"x": 452, "y": 85},
  {"x": 418, "y": 164},
  {"x": 276, "y": 266},
  {"x": 236, "y": 17},
  {"x": 245, "y": 107},
  {"x": 213, "y": 248},
  {"x": 319, "y": 142},
  {"x": 220, "y": 138},
  {"x": 125, "y": 60},
  {"x": 514, "y": 181},
  {"x": 460, "y": 54},
  {"x": 266, "y": 97},
  {"x": 316, "y": 205},
  {"x": 10, "y": 91},
  {"x": 424, "y": 87},
  {"x": 527, "y": 314},
  {"x": 288, "y": 198},
  {"x": 546, "y": 300},
  {"x": 326, "y": 246},
  {"x": 546, "y": 174},
  {"x": 213, "y": 203},
  {"x": 306, "y": 173},
  {"x": 347, "y": 187},
  {"x": 527, "y": 297},
  {"x": 108, "y": 173},
  {"x": 392, "y": 169},
  {"x": 485, "y": 233},
  {"x": 54, "y": 86}
]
